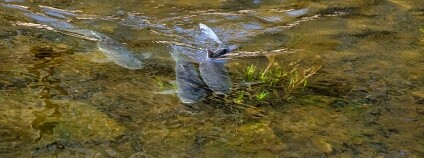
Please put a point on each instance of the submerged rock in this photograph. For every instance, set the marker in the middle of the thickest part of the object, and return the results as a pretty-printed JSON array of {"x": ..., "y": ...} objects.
[
  {"x": 29, "y": 123},
  {"x": 80, "y": 121},
  {"x": 418, "y": 96},
  {"x": 256, "y": 136}
]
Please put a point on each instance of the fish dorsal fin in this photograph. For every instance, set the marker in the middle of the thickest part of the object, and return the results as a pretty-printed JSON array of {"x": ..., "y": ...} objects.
[{"x": 209, "y": 33}]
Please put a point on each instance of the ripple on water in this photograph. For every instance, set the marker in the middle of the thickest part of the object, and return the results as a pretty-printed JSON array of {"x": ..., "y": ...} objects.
[{"x": 366, "y": 101}]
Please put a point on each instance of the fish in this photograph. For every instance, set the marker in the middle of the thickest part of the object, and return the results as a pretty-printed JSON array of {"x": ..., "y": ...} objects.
[
  {"x": 52, "y": 22},
  {"x": 209, "y": 33},
  {"x": 212, "y": 69},
  {"x": 190, "y": 88},
  {"x": 188, "y": 82},
  {"x": 215, "y": 76},
  {"x": 14, "y": 6},
  {"x": 59, "y": 13},
  {"x": 115, "y": 51},
  {"x": 222, "y": 47}
]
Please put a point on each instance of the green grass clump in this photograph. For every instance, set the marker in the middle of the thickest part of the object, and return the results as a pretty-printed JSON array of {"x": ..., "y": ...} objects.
[
  {"x": 299, "y": 79},
  {"x": 240, "y": 97},
  {"x": 162, "y": 84},
  {"x": 422, "y": 30},
  {"x": 262, "y": 95},
  {"x": 289, "y": 78},
  {"x": 250, "y": 73},
  {"x": 283, "y": 82}
]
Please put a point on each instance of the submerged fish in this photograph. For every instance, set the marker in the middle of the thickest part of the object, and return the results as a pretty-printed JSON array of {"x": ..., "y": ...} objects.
[
  {"x": 222, "y": 47},
  {"x": 14, "y": 6},
  {"x": 209, "y": 33},
  {"x": 52, "y": 22},
  {"x": 212, "y": 69},
  {"x": 59, "y": 13},
  {"x": 190, "y": 86},
  {"x": 117, "y": 52},
  {"x": 214, "y": 75},
  {"x": 114, "y": 50}
]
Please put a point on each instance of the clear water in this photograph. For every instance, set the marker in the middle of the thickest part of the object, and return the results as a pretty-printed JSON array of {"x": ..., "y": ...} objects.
[{"x": 59, "y": 98}]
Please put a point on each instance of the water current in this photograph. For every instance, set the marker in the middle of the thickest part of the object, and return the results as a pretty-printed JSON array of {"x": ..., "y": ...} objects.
[{"x": 92, "y": 78}]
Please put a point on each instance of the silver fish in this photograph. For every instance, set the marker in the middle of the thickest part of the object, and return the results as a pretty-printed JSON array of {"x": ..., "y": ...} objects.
[
  {"x": 52, "y": 22},
  {"x": 212, "y": 69},
  {"x": 209, "y": 33},
  {"x": 117, "y": 52},
  {"x": 190, "y": 86},
  {"x": 222, "y": 47},
  {"x": 216, "y": 76},
  {"x": 59, "y": 13},
  {"x": 114, "y": 50}
]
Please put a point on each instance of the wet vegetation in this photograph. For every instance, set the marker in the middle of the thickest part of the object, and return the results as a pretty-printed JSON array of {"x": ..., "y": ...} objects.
[{"x": 283, "y": 81}]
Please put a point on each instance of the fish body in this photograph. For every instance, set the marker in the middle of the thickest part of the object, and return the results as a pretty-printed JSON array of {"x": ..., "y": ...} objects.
[
  {"x": 216, "y": 76},
  {"x": 119, "y": 54},
  {"x": 212, "y": 68},
  {"x": 52, "y": 22},
  {"x": 114, "y": 50},
  {"x": 190, "y": 86},
  {"x": 59, "y": 13}
]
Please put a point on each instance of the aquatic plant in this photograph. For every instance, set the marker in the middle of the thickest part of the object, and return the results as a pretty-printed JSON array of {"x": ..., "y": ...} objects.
[
  {"x": 422, "y": 30},
  {"x": 250, "y": 73},
  {"x": 262, "y": 95},
  {"x": 283, "y": 81},
  {"x": 240, "y": 97},
  {"x": 290, "y": 78},
  {"x": 164, "y": 85},
  {"x": 299, "y": 78}
]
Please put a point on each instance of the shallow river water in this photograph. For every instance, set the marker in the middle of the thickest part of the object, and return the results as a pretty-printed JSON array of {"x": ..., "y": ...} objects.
[{"x": 61, "y": 97}]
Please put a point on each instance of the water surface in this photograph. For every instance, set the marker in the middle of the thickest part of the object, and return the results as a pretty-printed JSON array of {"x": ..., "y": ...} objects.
[{"x": 59, "y": 97}]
